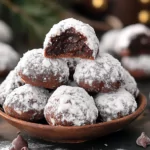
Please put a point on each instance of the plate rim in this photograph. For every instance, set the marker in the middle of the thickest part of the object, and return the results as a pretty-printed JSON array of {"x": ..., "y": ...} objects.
[{"x": 135, "y": 114}]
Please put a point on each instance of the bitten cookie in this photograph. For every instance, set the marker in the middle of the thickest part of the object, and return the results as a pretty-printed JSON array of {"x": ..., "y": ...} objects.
[
  {"x": 27, "y": 103},
  {"x": 37, "y": 70},
  {"x": 11, "y": 82},
  {"x": 71, "y": 38},
  {"x": 105, "y": 74},
  {"x": 133, "y": 40},
  {"x": 70, "y": 106},
  {"x": 115, "y": 105}
]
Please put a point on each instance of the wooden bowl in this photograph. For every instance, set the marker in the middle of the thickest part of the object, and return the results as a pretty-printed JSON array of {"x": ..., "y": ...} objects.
[{"x": 75, "y": 134}]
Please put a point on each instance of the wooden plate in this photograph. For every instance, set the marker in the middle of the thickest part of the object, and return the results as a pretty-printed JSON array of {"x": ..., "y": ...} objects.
[{"x": 75, "y": 134}]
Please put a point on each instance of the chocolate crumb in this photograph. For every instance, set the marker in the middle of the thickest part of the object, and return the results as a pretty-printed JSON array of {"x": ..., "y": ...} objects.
[
  {"x": 19, "y": 143},
  {"x": 143, "y": 140}
]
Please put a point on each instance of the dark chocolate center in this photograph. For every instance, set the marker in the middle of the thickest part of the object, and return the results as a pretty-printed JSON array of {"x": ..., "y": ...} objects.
[
  {"x": 69, "y": 43},
  {"x": 140, "y": 44}
]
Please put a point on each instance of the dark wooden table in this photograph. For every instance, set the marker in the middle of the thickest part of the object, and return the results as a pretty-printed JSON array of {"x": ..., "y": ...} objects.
[{"x": 121, "y": 140}]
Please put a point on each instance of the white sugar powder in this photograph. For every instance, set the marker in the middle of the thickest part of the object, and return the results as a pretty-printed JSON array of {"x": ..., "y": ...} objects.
[{"x": 85, "y": 29}]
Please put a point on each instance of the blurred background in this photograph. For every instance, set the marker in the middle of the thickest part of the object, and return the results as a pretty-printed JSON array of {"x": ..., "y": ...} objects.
[
  {"x": 30, "y": 20},
  {"x": 24, "y": 23}
]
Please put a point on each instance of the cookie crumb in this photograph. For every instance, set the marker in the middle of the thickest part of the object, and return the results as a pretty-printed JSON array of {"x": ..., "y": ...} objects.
[{"x": 143, "y": 140}]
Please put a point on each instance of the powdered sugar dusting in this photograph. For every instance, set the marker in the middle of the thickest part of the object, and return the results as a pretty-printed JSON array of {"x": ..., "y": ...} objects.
[
  {"x": 72, "y": 104},
  {"x": 34, "y": 64},
  {"x": 5, "y": 32},
  {"x": 108, "y": 40},
  {"x": 110, "y": 105},
  {"x": 27, "y": 98},
  {"x": 5, "y": 145},
  {"x": 8, "y": 57},
  {"x": 104, "y": 69},
  {"x": 130, "y": 84},
  {"x": 11, "y": 82},
  {"x": 127, "y": 34},
  {"x": 137, "y": 63},
  {"x": 85, "y": 29}
]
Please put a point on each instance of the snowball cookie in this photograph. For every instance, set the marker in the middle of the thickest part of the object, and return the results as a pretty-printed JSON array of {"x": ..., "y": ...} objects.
[
  {"x": 37, "y": 70},
  {"x": 130, "y": 84},
  {"x": 133, "y": 40},
  {"x": 70, "y": 106},
  {"x": 138, "y": 66},
  {"x": 5, "y": 32},
  {"x": 115, "y": 105},
  {"x": 105, "y": 74},
  {"x": 108, "y": 40},
  {"x": 8, "y": 58},
  {"x": 11, "y": 82},
  {"x": 26, "y": 103},
  {"x": 71, "y": 38}
]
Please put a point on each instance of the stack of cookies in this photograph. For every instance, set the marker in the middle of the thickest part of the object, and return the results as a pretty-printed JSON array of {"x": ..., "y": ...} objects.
[{"x": 68, "y": 81}]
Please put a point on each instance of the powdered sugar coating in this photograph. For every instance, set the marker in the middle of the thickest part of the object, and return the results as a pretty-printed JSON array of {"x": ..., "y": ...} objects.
[
  {"x": 8, "y": 57},
  {"x": 92, "y": 41},
  {"x": 26, "y": 98},
  {"x": 114, "y": 105},
  {"x": 5, "y": 32},
  {"x": 137, "y": 63},
  {"x": 104, "y": 69},
  {"x": 130, "y": 84},
  {"x": 71, "y": 104},
  {"x": 34, "y": 64},
  {"x": 127, "y": 34},
  {"x": 11, "y": 82},
  {"x": 108, "y": 40}
]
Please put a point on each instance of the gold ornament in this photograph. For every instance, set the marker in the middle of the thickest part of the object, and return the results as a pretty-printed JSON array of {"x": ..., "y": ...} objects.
[
  {"x": 99, "y": 3},
  {"x": 144, "y": 16},
  {"x": 145, "y": 1}
]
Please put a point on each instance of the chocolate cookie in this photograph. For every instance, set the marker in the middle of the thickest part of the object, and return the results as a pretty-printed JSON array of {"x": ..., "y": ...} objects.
[
  {"x": 27, "y": 103},
  {"x": 70, "y": 106},
  {"x": 105, "y": 74},
  {"x": 133, "y": 40},
  {"x": 71, "y": 38},
  {"x": 115, "y": 105},
  {"x": 138, "y": 66},
  {"x": 37, "y": 70},
  {"x": 11, "y": 82}
]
